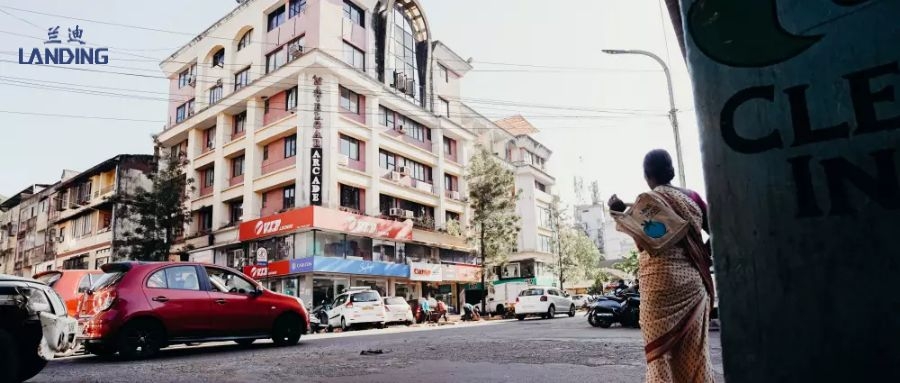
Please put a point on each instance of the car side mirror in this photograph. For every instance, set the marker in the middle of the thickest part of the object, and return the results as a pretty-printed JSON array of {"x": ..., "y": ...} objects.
[{"x": 257, "y": 292}]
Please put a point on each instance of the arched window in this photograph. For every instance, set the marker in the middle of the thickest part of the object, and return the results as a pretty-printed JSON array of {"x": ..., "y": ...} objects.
[
  {"x": 405, "y": 49},
  {"x": 218, "y": 58},
  {"x": 245, "y": 39}
]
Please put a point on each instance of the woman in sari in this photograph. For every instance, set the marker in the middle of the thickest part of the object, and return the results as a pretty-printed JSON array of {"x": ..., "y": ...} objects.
[{"x": 676, "y": 286}]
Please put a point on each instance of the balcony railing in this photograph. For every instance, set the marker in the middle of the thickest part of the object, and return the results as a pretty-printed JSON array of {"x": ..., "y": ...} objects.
[
  {"x": 103, "y": 191},
  {"x": 453, "y": 194}
]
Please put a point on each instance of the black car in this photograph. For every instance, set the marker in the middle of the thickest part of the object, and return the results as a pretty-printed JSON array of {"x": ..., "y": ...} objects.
[{"x": 34, "y": 327}]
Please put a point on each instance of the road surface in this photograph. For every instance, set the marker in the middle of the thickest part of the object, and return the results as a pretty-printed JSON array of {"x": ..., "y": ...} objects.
[{"x": 496, "y": 351}]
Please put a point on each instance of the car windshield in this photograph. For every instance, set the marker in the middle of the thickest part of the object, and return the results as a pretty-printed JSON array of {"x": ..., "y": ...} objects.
[
  {"x": 531, "y": 292},
  {"x": 394, "y": 301},
  {"x": 370, "y": 296},
  {"x": 50, "y": 279},
  {"x": 107, "y": 280}
]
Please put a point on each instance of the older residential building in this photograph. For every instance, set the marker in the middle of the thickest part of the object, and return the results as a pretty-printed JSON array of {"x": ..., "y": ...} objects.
[
  {"x": 325, "y": 137},
  {"x": 19, "y": 240},
  {"x": 83, "y": 220}
]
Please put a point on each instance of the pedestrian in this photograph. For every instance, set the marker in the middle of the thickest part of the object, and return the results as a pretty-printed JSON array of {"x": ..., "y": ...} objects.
[
  {"x": 426, "y": 309},
  {"x": 441, "y": 310},
  {"x": 677, "y": 286}
]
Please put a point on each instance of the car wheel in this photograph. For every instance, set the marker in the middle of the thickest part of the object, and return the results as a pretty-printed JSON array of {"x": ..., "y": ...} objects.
[
  {"x": 572, "y": 311},
  {"x": 140, "y": 339},
  {"x": 520, "y": 317},
  {"x": 244, "y": 342},
  {"x": 344, "y": 325},
  {"x": 9, "y": 358},
  {"x": 551, "y": 312},
  {"x": 101, "y": 350},
  {"x": 287, "y": 330}
]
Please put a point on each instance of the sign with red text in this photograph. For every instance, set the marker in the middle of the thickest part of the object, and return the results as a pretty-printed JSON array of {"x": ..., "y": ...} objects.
[
  {"x": 272, "y": 270},
  {"x": 425, "y": 272},
  {"x": 276, "y": 224},
  {"x": 362, "y": 225}
]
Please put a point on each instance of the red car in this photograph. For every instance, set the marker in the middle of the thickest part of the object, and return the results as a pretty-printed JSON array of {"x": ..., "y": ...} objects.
[
  {"x": 137, "y": 308},
  {"x": 70, "y": 285}
]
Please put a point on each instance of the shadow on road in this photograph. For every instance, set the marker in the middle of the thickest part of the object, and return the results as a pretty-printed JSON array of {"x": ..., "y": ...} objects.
[{"x": 176, "y": 352}]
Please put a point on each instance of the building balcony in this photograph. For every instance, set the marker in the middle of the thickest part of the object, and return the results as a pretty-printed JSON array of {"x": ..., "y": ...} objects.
[
  {"x": 453, "y": 194},
  {"x": 275, "y": 165},
  {"x": 234, "y": 181},
  {"x": 205, "y": 191}
]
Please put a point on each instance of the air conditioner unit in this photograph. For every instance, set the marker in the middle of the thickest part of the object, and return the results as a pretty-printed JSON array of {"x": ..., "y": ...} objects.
[
  {"x": 403, "y": 170},
  {"x": 60, "y": 239},
  {"x": 295, "y": 51},
  {"x": 395, "y": 176},
  {"x": 400, "y": 82},
  {"x": 408, "y": 214},
  {"x": 343, "y": 160},
  {"x": 411, "y": 87},
  {"x": 400, "y": 129},
  {"x": 454, "y": 194},
  {"x": 192, "y": 80},
  {"x": 396, "y": 212}
]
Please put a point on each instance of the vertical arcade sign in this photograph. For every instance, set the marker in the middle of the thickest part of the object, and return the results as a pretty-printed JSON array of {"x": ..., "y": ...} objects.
[
  {"x": 315, "y": 158},
  {"x": 799, "y": 111}
]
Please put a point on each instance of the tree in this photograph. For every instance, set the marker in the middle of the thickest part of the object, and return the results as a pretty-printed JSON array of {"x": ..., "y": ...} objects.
[
  {"x": 577, "y": 256},
  {"x": 492, "y": 196},
  {"x": 154, "y": 217},
  {"x": 629, "y": 264}
]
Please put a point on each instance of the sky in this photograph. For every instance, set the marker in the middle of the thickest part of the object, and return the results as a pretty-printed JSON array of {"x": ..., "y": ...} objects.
[{"x": 598, "y": 113}]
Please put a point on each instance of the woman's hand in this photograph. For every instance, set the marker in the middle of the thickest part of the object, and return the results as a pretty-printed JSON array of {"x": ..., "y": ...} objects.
[{"x": 615, "y": 204}]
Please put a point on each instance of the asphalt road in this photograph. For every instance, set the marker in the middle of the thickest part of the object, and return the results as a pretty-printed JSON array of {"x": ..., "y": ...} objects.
[{"x": 497, "y": 351}]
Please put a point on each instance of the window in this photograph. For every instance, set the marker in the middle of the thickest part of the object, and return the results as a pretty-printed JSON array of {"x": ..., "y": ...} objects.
[
  {"x": 227, "y": 282},
  {"x": 349, "y": 101},
  {"x": 291, "y": 99},
  {"x": 208, "y": 177},
  {"x": 296, "y": 7},
  {"x": 219, "y": 58},
  {"x": 275, "y": 60},
  {"x": 387, "y": 160},
  {"x": 186, "y": 77},
  {"x": 276, "y": 18},
  {"x": 442, "y": 73},
  {"x": 265, "y": 153},
  {"x": 184, "y": 111},
  {"x": 205, "y": 220},
  {"x": 540, "y": 186},
  {"x": 444, "y": 107},
  {"x": 386, "y": 117},
  {"x": 544, "y": 217},
  {"x": 544, "y": 244},
  {"x": 176, "y": 278},
  {"x": 265, "y": 199},
  {"x": 237, "y": 166},
  {"x": 403, "y": 124},
  {"x": 240, "y": 123},
  {"x": 449, "y": 182},
  {"x": 391, "y": 161},
  {"x": 290, "y": 146},
  {"x": 350, "y": 147},
  {"x": 236, "y": 211},
  {"x": 215, "y": 94},
  {"x": 448, "y": 146},
  {"x": 288, "y": 197},
  {"x": 355, "y": 57},
  {"x": 209, "y": 137},
  {"x": 82, "y": 226},
  {"x": 354, "y": 13},
  {"x": 350, "y": 197},
  {"x": 405, "y": 60},
  {"x": 245, "y": 40},
  {"x": 242, "y": 78}
]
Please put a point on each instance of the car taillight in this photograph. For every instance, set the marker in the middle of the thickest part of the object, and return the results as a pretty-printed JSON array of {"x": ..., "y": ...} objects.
[
  {"x": 104, "y": 300},
  {"x": 544, "y": 298},
  {"x": 517, "y": 299},
  {"x": 349, "y": 305}
]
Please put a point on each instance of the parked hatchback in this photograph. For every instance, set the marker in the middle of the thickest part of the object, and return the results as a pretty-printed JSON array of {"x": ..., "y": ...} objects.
[
  {"x": 359, "y": 305},
  {"x": 70, "y": 285},
  {"x": 544, "y": 302},
  {"x": 397, "y": 310},
  {"x": 137, "y": 308}
]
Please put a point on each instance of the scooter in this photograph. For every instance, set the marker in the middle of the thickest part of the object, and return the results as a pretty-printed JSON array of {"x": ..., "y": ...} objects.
[{"x": 624, "y": 309}]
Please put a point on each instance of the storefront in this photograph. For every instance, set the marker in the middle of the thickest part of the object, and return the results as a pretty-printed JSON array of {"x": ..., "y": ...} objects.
[{"x": 456, "y": 280}]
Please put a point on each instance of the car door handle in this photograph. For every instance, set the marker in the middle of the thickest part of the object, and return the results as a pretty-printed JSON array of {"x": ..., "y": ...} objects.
[
  {"x": 220, "y": 301},
  {"x": 160, "y": 299}
]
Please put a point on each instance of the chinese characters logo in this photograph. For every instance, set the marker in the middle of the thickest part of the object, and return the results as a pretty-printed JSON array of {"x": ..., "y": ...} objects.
[{"x": 55, "y": 51}]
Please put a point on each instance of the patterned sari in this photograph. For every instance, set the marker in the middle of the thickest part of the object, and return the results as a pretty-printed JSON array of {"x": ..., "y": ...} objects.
[{"x": 676, "y": 296}]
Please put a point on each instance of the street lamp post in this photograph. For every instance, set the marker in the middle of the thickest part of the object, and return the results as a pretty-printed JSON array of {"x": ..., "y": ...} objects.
[{"x": 673, "y": 113}]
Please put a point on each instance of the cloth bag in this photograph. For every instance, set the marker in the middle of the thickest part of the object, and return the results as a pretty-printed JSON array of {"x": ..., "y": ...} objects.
[{"x": 653, "y": 224}]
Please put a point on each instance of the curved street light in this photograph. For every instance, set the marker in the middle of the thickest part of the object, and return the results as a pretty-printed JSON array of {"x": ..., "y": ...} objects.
[{"x": 673, "y": 112}]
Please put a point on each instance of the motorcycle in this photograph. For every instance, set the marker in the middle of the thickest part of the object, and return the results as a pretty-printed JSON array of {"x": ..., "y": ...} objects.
[{"x": 606, "y": 310}]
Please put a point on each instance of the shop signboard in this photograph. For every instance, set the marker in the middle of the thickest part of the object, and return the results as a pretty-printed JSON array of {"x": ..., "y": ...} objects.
[
  {"x": 460, "y": 273},
  {"x": 287, "y": 222},
  {"x": 350, "y": 223},
  {"x": 262, "y": 256},
  {"x": 273, "y": 269},
  {"x": 350, "y": 266},
  {"x": 419, "y": 271},
  {"x": 301, "y": 265}
]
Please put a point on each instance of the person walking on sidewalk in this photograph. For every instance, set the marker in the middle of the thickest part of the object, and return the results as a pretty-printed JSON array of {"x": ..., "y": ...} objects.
[
  {"x": 676, "y": 285},
  {"x": 441, "y": 311},
  {"x": 426, "y": 309}
]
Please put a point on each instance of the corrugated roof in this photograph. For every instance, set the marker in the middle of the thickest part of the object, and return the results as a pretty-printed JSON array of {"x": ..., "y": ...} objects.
[{"x": 517, "y": 125}]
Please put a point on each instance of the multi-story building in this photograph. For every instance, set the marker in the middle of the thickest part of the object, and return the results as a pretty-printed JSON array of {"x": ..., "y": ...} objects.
[
  {"x": 83, "y": 221},
  {"x": 325, "y": 138},
  {"x": 595, "y": 221},
  {"x": 512, "y": 140},
  {"x": 19, "y": 228}
]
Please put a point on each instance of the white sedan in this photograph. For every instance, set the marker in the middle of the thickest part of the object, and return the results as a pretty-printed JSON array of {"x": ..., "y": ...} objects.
[
  {"x": 543, "y": 301},
  {"x": 396, "y": 309}
]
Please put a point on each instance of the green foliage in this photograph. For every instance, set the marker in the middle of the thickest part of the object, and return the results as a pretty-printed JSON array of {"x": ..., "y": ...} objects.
[
  {"x": 629, "y": 264},
  {"x": 492, "y": 196},
  {"x": 154, "y": 217},
  {"x": 577, "y": 255}
]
